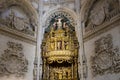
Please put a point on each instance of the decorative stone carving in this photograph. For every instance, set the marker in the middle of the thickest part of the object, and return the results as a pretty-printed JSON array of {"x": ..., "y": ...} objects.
[
  {"x": 101, "y": 12},
  {"x": 26, "y": 24},
  {"x": 97, "y": 16},
  {"x": 13, "y": 62},
  {"x": 19, "y": 23},
  {"x": 60, "y": 14},
  {"x": 106, "y": 58}
]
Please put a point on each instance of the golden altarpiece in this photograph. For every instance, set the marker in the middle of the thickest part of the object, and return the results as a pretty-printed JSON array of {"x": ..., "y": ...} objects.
[{"x": 60, "y": 52}]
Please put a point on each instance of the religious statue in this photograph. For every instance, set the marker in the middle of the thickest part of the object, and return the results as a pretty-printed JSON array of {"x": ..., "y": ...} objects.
[
  {"x": 59, "y": 23},
  {"x": 59, "y": 45},
  {"x": 11, "y": 18}
]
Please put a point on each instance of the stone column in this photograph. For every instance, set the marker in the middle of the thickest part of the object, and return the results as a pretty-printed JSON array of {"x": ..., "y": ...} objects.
[
  {"x": 39, "y": 41},
  {"x": 81, "y": 56}
]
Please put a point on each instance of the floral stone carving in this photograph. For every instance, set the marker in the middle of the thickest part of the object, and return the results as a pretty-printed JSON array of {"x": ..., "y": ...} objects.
[
  {"x": 13, "y": 62},
  {"x": 106, "y": 58}
]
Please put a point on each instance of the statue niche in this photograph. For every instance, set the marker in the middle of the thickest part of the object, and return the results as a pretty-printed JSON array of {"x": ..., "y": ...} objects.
[{"x": 60, "y": 52}]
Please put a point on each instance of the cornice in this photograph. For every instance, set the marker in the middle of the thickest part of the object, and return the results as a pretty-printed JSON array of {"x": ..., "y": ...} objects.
[
  {"x": 103, "y": 28},
  {"x": 17, "y": 35}
]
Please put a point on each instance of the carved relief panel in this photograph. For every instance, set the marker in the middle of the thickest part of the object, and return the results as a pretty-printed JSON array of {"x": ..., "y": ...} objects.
[
  {"x": 13, "y": 61},
  {"x": 15, "y": 18},
  {"x": 19, "y": 16},
  {"x": 100, "y": 13},
  {"x": 106, "y": 58}
]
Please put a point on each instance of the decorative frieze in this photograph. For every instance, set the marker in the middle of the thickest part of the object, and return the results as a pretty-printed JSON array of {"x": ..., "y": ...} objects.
[
  {"x": 13, "y": 61},
  {"x": 106, "y": 58}
]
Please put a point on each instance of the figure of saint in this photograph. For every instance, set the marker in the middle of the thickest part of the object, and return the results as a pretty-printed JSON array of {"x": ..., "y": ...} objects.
[
  {"x": 66, "y": 45},
  {"x": 55, "y": 25},
  {"x": 59, "y": 45},
  {"x": 59, "y": 23},
  {"x": 52, "y": 45},
  {"x": 11, "y": 18}
]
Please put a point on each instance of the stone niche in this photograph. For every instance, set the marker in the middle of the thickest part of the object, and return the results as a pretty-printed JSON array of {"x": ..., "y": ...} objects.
[{"x": 15, "y": 18}]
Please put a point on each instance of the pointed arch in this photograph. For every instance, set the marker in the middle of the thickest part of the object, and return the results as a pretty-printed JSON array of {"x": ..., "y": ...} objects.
[
  {"x": 85, "y": 9},
  {"x": 22, "y": 4},
  {"x": 70, "y": 13}
]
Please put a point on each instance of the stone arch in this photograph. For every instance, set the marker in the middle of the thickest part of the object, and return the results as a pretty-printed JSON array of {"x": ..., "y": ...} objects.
[
  {"x": 71, "y": 13},
  {"x": 98, "y": 14},
  {"x": 85, "y": 9},
  {"x": 23, "y": 4},
  {"x": 28, "y": 10}
]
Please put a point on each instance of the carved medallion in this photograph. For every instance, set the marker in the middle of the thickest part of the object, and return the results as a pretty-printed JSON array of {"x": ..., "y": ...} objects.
[
  {"x": 13, "y": 61},
  {"x": 103, "y": 60},
  {"x": 19, "y": 23},
  {"x": 97, "y": 16},
  {"x": 106, "y": 58}
]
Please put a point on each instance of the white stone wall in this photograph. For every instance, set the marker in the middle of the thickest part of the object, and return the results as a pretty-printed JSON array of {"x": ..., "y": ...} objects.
[
  {"x": 29, "y": 53},
  {"x": 90, "y": 51}
]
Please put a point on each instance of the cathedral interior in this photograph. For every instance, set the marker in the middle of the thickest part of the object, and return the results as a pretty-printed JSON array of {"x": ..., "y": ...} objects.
[{"x": 59, "y": 39}]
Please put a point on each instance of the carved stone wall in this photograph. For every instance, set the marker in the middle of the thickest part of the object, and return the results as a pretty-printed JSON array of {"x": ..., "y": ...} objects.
[
  {"x": 100, "y": 14},
  {"x": 13, "y": 61},
  {"x": 103, "y": 55},
  {"x": 18, "y": 17},
  {"x": 106, "y": 58},
  {"x": 16, "y": 59}
]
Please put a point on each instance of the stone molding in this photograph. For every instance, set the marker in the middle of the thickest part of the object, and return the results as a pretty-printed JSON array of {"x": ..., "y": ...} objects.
[{"x": 17, "y": 35}]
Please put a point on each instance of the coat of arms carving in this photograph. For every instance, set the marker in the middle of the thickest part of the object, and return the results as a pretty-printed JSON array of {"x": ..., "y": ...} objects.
[
  {"x": 106, "y": 58},
  {"x": 13, "y": 61}
]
